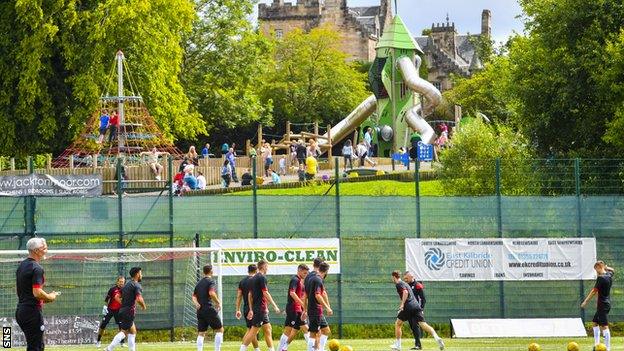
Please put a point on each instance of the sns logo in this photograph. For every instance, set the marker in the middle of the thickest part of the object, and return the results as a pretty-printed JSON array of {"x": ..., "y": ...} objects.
[{"x": 434, "y": 259}]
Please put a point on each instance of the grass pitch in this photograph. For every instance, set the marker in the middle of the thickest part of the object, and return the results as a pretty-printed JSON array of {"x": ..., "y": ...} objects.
[{"x": 384, "y": 344}]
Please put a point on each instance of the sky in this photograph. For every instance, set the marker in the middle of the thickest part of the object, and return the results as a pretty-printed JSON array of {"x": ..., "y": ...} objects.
[{"x": 419, "y": 14}]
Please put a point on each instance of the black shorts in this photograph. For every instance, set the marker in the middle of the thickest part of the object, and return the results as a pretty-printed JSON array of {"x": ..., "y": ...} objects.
[
  {"x": 108, "y": 317},
  {"x": 30, "y": 320},
  {"x": 317, "y": 323},
  {"x": 208, "y": 317},
  {"x": 126, "y": 319},
  {"x": 301, "y": 160},
  {"x": 260, "y": 318},
  {"x": 247, "y": 321},
  {"x": 411, "y": 315},
  {"x": 600, "y": 317},
  {"x": 103, "y": 130},
  {"x": 293, "y": 320}
]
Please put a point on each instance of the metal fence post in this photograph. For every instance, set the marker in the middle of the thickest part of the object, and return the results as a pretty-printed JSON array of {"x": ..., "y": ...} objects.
[
  {"x": 499, "y": 220},
  {"x": 338, "y": 235},
  {"x": 30, "y": 228},
  {"x": 579, "y": 222},
  {"x": 254, "y": 191},
  {"x": 417, "y": 186},
  {"x": 120, "y": 244},
  {"x": 171, "y": 265}
]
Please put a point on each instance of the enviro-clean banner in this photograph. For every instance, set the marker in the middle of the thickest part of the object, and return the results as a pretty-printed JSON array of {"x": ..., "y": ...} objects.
[
  {"x": 283, "y": 255},
  {"x": 48, "y": 185},
  {"x": 501, "y": 259}
]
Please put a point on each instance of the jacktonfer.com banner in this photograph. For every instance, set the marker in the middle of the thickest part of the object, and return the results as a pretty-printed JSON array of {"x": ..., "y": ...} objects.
[
  {"x": 47, "y": 185},
  {"x": 283, "y": 255},
  {"x": 501, "y": 259}
]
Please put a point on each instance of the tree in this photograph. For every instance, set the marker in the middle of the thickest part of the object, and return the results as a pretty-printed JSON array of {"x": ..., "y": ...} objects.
[
  {"x": 311, "y": 80},
  {"x": 225, "y": 65},
  {"x": 56, "y": 62},
  {"x": 469, "y": 165}
]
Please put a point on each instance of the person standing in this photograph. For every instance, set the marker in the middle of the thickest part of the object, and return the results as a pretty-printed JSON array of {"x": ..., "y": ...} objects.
[
  {"x": 259, "y": 299},
  {"x": 409, "y": 309},
  {"x": 368, "y": 141},
  {"x": 294, "y": 309},
  {"x": 30, "y": 279},
  {"x": 208, "y": 305},
  {"x": 419, "y": 293},
  {"x": 104, "y": 122},
  {"x": 315, "y": 301},
  {"x": 206, "y": 151},
  {"x": 241, "y": 296},
  {"x": 111, "y": 309},
  {"x": 131, "y": 295},
  {"x": 347, "y": 153},
  {"x": 231, "y": 156},
  {"x": 226, "y": 173},
  {"x": 267, "y": 155},
  {"x": 113, "y": 126},
  {"x": 602, "y": 288}
]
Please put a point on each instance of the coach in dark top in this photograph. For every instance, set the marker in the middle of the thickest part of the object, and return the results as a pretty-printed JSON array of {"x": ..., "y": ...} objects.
[
  {"x": 131, "y": 294},
  {"x": 603, "y": 290},
  {"x": 419, "y": 293},
  {"x": 31, "y": 296},
  {"x": 208, "y": 305}
]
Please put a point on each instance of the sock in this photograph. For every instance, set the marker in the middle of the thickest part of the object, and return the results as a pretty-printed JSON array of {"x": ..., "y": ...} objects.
[
  {"x": 311, "y": 344},
  {"x": 282, "y": 343},
  {"x": 306, "y": 337},
  {"x": 596, "y": 335},
  {"x": 99, "y": 338},
  {"x": 435, "y": 335},
  {"x": 200, "y": 342},
  {"x": 323, "y": 341},
  {"x": 243, "y": 348},
  {"x": 131, "y": 342},
  {"x": 117, "y": 340},
  {"x": 607, "y": 337},
  {"x": 397, "y": 343},
  {"x": 218, "y": 341}
]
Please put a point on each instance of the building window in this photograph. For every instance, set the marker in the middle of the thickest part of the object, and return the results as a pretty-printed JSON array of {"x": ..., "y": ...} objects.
[{"x": 279, "y": 34}]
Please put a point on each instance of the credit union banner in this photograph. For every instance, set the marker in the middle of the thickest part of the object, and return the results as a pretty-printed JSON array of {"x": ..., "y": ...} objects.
[
  {"x": 283, "y": 255},
  {"x": 501, "y": 259}
]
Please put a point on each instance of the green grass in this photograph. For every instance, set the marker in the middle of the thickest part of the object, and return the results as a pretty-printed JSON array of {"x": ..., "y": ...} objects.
[
  {"x": 383, "y": 344},
  {"x": 372, "y": 188}
]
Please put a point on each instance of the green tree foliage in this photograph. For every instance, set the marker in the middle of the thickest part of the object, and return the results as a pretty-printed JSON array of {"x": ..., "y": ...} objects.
[
  {"x": 225, "y": 64},
  {"x": 57, "y": 57},
  {"x": 311, "y": 80},
  {"x": 469, "y": 166},
  {"x": 611, "y": 80}
]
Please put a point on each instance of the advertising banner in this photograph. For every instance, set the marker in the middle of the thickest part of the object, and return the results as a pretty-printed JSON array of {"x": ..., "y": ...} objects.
[
  {"x": 283, "y": 255},
  {"x": 59, "y": 330},
  {"x": 47, "y": 185},
  {"x": 501, "y": 259}
]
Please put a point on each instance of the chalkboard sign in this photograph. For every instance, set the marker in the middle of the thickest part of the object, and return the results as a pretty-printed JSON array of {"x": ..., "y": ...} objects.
[{"x": 59, "y": 330}]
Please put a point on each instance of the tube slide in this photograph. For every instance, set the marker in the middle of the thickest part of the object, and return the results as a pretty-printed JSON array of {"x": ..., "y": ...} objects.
[
  {"x": 352, "y": 121},
  {"x": 414, "y": 117}
]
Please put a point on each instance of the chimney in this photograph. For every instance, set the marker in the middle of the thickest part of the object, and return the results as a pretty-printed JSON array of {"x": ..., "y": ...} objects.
[{"x": 486, "y": 23}]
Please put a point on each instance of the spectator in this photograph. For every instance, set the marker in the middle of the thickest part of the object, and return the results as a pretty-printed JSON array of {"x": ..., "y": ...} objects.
[
  {"x": 247, "y": 178},
  {"x": 443, "y": 128},
  {"x": 275, "y": 178},
  {"x": 192, "y": 155},
  {"x": 152, "y": 161},
  {"x": 266, "y": 152},
  {"x": 368, "y": 141},
  {"x": 201, "y": 181},
  {"x": 293, "y": 154},
  {"x": 225, "y": 148},
  {"x": 231, "y": 156},
  {"x": 206, "y": 151},
  {"x": 314, "y": 150},
  {"x": 282, "y": 166},
  {"x": 362, "y": 153},
  {"x": 226, "y": 173},
  {"x": 104, "y": 121},
  {"x": 185, "y": 162},
  {"x": 113, "y": 126},
  {"x": 189, "y": 179},
  {"x": 301, "y": 152},
  {"x": 347, "y": 153},
  {"x": 311, "y": 164},
  {"x": 178, "y": 183}
]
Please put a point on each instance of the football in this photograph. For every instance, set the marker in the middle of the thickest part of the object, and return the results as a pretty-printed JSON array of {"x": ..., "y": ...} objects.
[
  {"x": 333, "y": 345},
  {"x": 534, "y": 347},
  {"x": 572, "y": 346},
  {"x": 601, "y": 347}
]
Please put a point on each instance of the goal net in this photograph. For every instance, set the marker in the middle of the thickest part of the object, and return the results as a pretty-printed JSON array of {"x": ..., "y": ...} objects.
[{"x": 84, "y": 277}]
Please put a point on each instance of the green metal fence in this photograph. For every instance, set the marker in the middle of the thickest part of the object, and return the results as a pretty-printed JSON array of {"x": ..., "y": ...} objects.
[{"x": 553, "y": 198}]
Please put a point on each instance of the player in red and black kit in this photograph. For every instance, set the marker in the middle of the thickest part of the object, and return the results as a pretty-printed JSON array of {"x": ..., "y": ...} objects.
[
  {"x": 294, "y": 309},
  {"x": 314, "y": 302},
  {"x": 602, "y": 288},
  {"x": 30, "y": 279},
  {"x": 208, "y": 305},
  {"x": 419, "y": 293},
  {"x": 241, "y": 296},
  {"x": 111, "y": 309},
  {"x": 409, "y": 309},
  {"x": 131, "y": 294},
  {"x": 259, "y": 298}
]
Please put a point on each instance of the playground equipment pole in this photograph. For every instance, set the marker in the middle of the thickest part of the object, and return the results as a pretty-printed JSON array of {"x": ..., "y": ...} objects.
[{"x": 120, "y": 97}]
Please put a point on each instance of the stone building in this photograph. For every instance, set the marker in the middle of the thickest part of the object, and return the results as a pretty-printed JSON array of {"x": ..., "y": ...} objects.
[
  {"x": 447, "y": 52},
  {"x": 360, "y": 27}
]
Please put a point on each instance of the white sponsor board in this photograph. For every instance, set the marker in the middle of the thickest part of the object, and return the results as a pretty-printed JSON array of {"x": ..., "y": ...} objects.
[
  {"x": 501, "y": 259},
  {"x": 518, "y": 328},
  {"x": 283, "y": 255}
]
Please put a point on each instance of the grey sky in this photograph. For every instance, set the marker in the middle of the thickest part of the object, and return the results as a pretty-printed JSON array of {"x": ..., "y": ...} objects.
[{"x": 419, "y": 14}]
